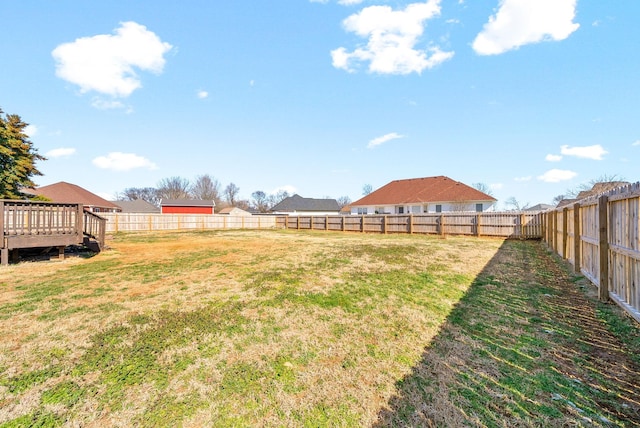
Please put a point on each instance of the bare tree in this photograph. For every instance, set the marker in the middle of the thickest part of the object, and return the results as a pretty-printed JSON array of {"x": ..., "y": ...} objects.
[
  {"x": 604, "y": 178},
  {"x": 343, "y": 201},
  {"x": 231, "y": 194},
  {"x": 483, "y": 188},
  {"x": 260, "y": 201},
  {"x": 366, "y": 189},
  {"x": 515, "y": 204},
  {"x": 278, "y": 197},
  {"x": 206, "y": 188},
  {"x": 173, "y": 188},
  {"x": 149, "y": 194}
]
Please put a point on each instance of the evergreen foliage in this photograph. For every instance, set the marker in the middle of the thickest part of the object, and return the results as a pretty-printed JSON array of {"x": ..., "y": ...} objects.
[{"x": 17, "y": 157}]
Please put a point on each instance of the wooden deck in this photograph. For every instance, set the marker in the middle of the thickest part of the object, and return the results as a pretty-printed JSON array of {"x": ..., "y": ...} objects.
[{"x": 44, "y": 224}]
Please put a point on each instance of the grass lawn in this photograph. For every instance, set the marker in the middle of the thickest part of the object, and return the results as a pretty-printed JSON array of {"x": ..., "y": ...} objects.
[{"x": 311, "y": 329}]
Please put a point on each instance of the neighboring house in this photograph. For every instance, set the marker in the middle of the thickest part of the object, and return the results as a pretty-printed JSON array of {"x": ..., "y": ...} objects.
[
  {"x": 539, "y": 207},
  {"x": 597, "y": 189},
  {"x": 186, "y": 206},
  {"x": 297, "y": 205},
  {"x": 424, "y": 195},
  {"x": 67, "y": 193},
  {"x": 137, "y": 206},
  {"x": 233, "y": 211}
]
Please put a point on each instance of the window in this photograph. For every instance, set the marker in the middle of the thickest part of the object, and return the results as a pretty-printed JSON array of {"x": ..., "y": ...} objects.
[
  {"x": 415, "y": 209},
  {"x": 478, "y": 208},
  {"x": 399, "y": 210},
  {"x": 438, "y": 208},
  {"x": 362, "y": 210}
]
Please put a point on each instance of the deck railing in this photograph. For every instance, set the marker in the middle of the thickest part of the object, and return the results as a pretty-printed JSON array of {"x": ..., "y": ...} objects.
[{"x": 27, "y": 224}]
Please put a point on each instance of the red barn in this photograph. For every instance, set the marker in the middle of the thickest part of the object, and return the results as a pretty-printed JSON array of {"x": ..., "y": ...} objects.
[{"x": 186, "y": 206}]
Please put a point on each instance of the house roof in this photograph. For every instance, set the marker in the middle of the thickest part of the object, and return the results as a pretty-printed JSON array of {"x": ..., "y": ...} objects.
[
  {"x": 539, "y": 207},
  {"x": 423, "y": 190},
  {"x": 298, "y": 203},
  {"x": 67, "y": 193},
  {"x": 137, "y": 206},
  {"x": 233, "y": 210},
  {"x": 187, "y": 203}
]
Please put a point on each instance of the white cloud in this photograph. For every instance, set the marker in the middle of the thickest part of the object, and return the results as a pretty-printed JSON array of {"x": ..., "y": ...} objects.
[
  {"x": 522, "y": 179},
  {"x": 202, "y": 94},
  {"x": 31, "y": 130},
  {"x": 557, "y": 175},
  {"x": 521, "y": 22},
  {"x": 385, "y": 138},
  {"x": 392, "y": 38},
  {"x": 60, "y": 152},
  {"x": 636, "y": 143},
  {"x": 349, "y": 2},
  {"x": 103, "y": 104},
  {"x": 119, "y": 161},
  {"x": 553, "y": 158},
  {"x": 106, "y": 63},
  {"x": 594, "y": 152}
]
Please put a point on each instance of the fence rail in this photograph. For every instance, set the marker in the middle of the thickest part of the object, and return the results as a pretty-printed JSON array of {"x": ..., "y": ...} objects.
[
  {"x": 600, "y": 237},
  {"x": 141, "y": 222},
  {"x": 513, "y": 224}
]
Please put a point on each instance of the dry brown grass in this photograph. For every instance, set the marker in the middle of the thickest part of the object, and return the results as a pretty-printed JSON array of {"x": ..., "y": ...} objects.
[{"x": 339, "y": 363}]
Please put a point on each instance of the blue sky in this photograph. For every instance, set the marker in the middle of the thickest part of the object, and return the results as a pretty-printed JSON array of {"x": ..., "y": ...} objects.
[{"x": 530, "y": 97}]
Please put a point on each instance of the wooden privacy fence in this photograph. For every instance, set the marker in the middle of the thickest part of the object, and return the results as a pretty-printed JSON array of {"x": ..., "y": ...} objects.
[
  {"x": 523, "y": 225},
  {"x": 141, "y": 222},
  {"x": 599, "y": 236}
]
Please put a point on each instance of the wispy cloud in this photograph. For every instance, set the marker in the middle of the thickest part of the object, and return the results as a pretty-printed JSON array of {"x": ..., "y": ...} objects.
[
  {"x": 106, "y": 63},
  {"x": 118, "y": 161},
  {"x": 553, "y": 158},
  {"x": 60, "y": 152},
  {"x": 636, "y": 143},
  {"x": 392, "y": 36},
  {"x": 595, "y": 152},
  {"x": 31, "y": 130},
  {"x": 557, "y": 175},
  {"x": 202, "y": 94},
  {"x": 383, "y": 139},
  {"x": 522, "y": 179},
  {"x": 518, "y": 23}
]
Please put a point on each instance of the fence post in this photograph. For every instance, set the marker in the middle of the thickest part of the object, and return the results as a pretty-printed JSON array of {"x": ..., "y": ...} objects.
[
  {"x": 410, "y": 224},
  {"x": 565, "y": 232},
  {"x": 603, "y": 247},
  {"x": 442, "y": 224},
  {"x": 477, "y": 225},
  {"x": 362, "y": 223},
  {"x": 522, "y": 233},
  {"x": 384, "y": 224},
  {"x": 577, "y": 239}
]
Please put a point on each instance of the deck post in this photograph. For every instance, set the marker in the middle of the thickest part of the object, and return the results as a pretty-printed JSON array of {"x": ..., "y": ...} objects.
[
  {"x": 4, "y": 256},
  {"x": 61, "y": 252}
]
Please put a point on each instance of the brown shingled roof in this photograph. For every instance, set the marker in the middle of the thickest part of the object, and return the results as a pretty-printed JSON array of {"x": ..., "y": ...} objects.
[
  {"x": 67, "y": 193},
  {"x": 421, "y": 190}
]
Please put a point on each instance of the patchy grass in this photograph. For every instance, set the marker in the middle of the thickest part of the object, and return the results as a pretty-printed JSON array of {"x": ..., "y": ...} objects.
[
  {"x": 528, "y": 345},
  {"x": 281, "y": 328}
]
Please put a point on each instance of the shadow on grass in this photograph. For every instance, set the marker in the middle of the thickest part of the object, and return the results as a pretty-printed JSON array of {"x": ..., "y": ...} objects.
[{"x": 528, "y": 345}]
